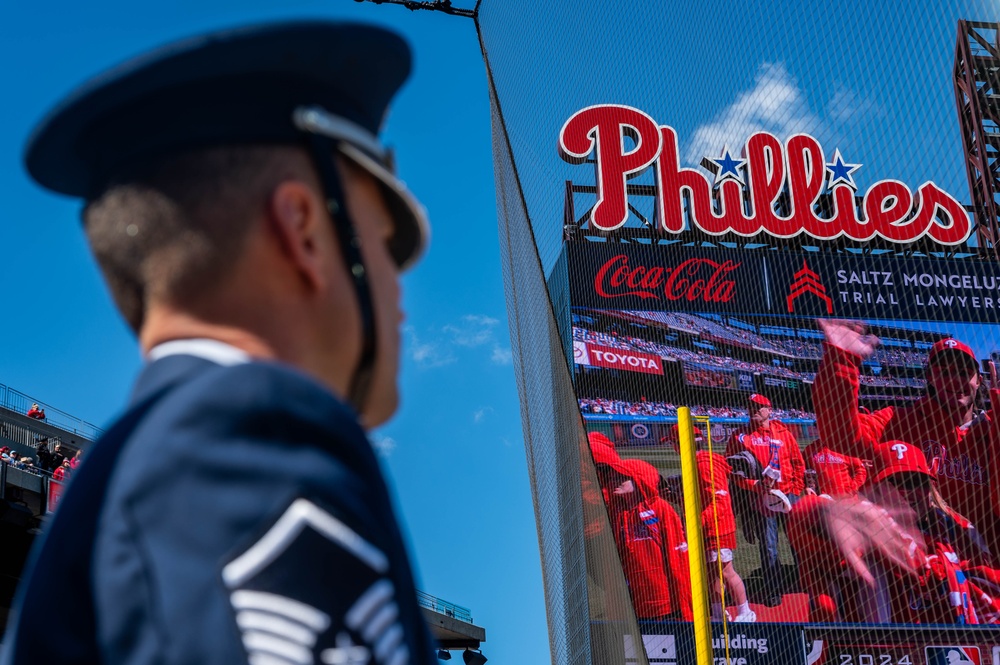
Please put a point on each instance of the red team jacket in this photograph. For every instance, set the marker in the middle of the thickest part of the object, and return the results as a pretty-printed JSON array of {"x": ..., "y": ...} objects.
[
  {"x": 761, "y": 442},
  {"x": 966, "y": 458},
  {"x": 713, "y": 483},
  {"x": 649, "y": 537},
  {"x": 837, "y": 474},
  {"x": 653, "y": 548}
]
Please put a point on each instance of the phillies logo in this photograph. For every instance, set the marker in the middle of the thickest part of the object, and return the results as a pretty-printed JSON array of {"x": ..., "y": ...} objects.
[
  {"x": 797, "y": 168},
  {"x": 900, "y": 449},
  {"x": 692, "y": 280},
  {"x": 950, "y": 343},
  {"x": 957, "y": 467}
]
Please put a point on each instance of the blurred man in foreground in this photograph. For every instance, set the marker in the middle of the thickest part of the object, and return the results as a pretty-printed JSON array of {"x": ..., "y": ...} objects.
[{"x": 251, "y": 231}]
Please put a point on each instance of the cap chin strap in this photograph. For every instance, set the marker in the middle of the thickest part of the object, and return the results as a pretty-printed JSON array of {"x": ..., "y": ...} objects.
[{"x": 322, "y": 149}]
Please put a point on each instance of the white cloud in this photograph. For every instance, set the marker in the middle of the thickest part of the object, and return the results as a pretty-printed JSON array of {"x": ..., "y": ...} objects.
[
  {"x": 426, "y": 353},
  {"x": 479, "y": 415},
  {"x": 384, "y": 445},
  {"x": 847, "y": 106},
  {"x": 775, "y": 104},
  {"x": 473, "y": 331},
  {"x": 501, "y": 356}
]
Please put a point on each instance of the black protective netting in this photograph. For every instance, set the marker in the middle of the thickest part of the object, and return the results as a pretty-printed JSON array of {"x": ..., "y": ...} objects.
[
  {"x": 783, "y": 218},
  {"x": 554, "y": 438}
]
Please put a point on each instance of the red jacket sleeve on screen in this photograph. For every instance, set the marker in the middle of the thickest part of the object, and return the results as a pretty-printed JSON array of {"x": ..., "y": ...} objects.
[
  {"x": 835, "y": 398},
  {"x": 677, "y": 557},
  {"x": 994, "y": 463},
  {"x": 797, "y": 478},
  {"x": 858, "y": 472}
]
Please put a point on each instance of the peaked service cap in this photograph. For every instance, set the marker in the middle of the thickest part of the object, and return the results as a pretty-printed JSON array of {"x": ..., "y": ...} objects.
[{"x": 261, "y": 84}]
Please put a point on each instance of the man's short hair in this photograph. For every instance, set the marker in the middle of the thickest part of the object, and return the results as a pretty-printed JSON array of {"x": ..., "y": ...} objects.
[{"x": 172, "y": 227}]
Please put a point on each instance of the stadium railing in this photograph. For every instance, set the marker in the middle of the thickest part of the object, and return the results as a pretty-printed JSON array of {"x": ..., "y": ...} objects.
[
  {"x": 18, "y": 402},
  {"x": 444, "y": 607}
]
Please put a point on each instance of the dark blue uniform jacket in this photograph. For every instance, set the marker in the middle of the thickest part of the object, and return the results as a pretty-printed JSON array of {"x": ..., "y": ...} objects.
[{"x": 232, "y": 515}]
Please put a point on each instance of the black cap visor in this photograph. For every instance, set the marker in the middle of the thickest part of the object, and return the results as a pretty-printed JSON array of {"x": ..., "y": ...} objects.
[{"x": 411, "y": 230}]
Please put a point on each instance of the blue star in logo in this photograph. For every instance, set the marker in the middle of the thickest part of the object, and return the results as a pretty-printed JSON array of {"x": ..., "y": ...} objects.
[
  {"x": 729, "y": 168},
  {"x": 841, "y": 172}
]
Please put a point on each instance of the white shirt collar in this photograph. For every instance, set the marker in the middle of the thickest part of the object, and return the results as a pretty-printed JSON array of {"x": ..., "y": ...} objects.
[{"x": 213, "y": 350}]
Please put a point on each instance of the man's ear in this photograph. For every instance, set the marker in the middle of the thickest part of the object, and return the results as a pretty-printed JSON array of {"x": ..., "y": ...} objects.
[{"x": 296, "y": 216}]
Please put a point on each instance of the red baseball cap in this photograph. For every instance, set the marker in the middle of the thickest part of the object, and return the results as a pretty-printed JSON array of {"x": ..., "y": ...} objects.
[
  {"x": 675, "y": 435},
  {"x": 894, "y": 457},
  {"x": 951, "y": 345},
  {"x": 757, "y": 398}
]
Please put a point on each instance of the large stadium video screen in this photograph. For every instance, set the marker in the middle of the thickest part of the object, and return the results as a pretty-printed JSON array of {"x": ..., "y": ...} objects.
[
  {"x": 839, "y": 420},
  {"x": 850, "y": 416}
]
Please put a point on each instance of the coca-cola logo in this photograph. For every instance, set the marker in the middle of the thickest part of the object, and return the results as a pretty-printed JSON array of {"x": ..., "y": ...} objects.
[
  {"x": 796, "y": 169},
  {"x": 702, "y": 280}
]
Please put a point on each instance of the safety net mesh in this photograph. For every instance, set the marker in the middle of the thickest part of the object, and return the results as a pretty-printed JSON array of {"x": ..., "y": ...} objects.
[{"x": 783, "y": 218}]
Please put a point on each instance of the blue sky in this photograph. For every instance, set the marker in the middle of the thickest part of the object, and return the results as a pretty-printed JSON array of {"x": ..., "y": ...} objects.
[
  {"x": 454, "y": 451},
  {"x": 875, "y": 83}
]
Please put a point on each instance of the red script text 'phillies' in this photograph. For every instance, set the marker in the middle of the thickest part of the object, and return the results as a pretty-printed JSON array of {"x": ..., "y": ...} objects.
[{"x": 797, "y": 166}]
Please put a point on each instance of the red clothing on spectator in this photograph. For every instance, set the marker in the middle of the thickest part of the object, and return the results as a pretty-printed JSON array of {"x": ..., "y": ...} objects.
[
  {"x": 718, "y": 523},
  {"x": 773, "y": 439},
  {"x": 839, "y": 594},
  {"x": 59, "y": 473},
  {"x": 36, "y": 413},
  {"x": 652, "y": 546},
  {"x": 837, "y": 474},
  {"x": 966, "y": 458}
]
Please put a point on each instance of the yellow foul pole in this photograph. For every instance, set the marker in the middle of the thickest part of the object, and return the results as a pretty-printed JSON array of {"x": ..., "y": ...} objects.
[{"x": 696, "y": 546}]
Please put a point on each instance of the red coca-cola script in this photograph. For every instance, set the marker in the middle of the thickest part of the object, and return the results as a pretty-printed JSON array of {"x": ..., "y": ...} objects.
[
  {"x": 625, "y": 142},
  {"x": 693, "y": 280}
]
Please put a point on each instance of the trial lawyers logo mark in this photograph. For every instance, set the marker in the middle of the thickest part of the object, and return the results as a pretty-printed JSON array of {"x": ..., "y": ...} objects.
[{"x": 807, "y": 281}]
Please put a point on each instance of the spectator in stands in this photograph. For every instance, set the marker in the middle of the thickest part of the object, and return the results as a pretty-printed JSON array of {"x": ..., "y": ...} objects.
[
  {"x": 62, "y": 472},
  {"x": 77, "y": 458},
  {"x": 783, "y": 477},
  {"x": 36, "y": 412},
  {"x": 45, "y": 462},
  {"x": 57, "y": 456}
]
